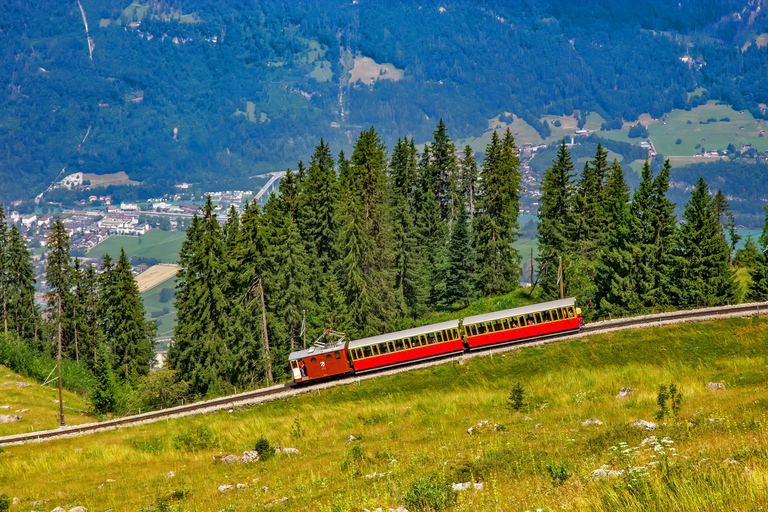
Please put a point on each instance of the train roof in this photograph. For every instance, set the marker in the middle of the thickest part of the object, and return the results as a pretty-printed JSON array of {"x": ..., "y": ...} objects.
[
  {"x": 453, "y": 324},
  {"x": 313, "y": 351},
  {"x": 506, "y": 313}
]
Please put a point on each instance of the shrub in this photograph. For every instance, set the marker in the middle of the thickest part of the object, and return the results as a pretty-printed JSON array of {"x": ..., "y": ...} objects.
[
  {"x": 296, "y": 431},
  {"x": 153, "y": 445},
  {"x": 661, "y": 401},
  {"x": 516, "y": 396},
  {"x": 557, "y": 123},
  {"x": 429, "y": 493},
  {"x": 675, "y": 399},
  {"x": 5, "y": 502},
  {"x": 265, "y": 449},
  {"x": 196, "y": 438},
  {"x": 679, "y": 141},
  {"x": 352, "y": 460},
  {"x": 558, "y": 472}
]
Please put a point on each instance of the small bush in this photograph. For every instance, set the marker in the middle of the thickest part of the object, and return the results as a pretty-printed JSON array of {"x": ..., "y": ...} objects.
[
  {"x": 196, "y": 438},
  {"x": 661, "y": 401},
  {"x": 516, "y": 396},
  {"x": 5, "y": 502},
  {"x": 679, "y": 141},
  {"x": 296, "y": 431},
  {"x": 429, "y": 493},
  {"x": 558, "y": 472},
  {"x": 353, "y": 459},
  {"x": 153, "y": 445},
  {"x": 265, "y": 449}
]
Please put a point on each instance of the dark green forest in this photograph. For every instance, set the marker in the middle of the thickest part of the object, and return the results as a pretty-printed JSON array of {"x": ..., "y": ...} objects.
[{"x": 463, "y": 61}]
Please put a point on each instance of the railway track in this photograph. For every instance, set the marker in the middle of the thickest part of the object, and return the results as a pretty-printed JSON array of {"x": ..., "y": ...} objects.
[{"x": 284, "y": 391}]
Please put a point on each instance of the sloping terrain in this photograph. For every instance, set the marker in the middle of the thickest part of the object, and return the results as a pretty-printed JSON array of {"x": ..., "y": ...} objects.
[{"x": 409, "y": 437}]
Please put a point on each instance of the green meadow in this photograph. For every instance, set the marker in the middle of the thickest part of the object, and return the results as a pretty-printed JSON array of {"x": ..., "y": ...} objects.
[
  {"x": 161, "y": 245},
  {"x": 410, "y": 438}
]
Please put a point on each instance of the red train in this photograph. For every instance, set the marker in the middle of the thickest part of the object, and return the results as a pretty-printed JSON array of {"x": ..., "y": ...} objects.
[{"x": 436, "y": 340}]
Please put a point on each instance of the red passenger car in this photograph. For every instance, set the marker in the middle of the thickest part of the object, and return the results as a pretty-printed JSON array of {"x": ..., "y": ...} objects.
[
  {"x": 319, "y": 362},
  {"x": 520, "y": 323},
  {"x": 401, "y": 347}
]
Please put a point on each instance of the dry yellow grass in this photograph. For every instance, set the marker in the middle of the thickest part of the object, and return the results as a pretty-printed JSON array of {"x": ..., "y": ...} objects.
[{"x": 155, "y": 275}]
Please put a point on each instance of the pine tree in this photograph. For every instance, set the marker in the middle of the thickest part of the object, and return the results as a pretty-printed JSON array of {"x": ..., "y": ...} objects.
[
  {"x": 702, "y": 270},
  {"x": 4, "y": 270},
  {"x": 23, "y": 316},
  {"x": 616, "y": 289},
  {"x": 555, "y": 230},
  {"x": 657, "y": 237},
  {"x": 469, "y": 179},
  {"x": 58, "y": 275},
  {"x": 495, "y": 225},
  {"x": 103, "y": 392},
  {"x": 410, "y": 283},
  {"x": 758, "y": 288},
  {"x": 460, "y": 265},
  {"x": 591, "y": 203},
  {"x": 446, "y": 173},
  {"x": 132, "y": 338},
  {"x": 320, "y": 190}
]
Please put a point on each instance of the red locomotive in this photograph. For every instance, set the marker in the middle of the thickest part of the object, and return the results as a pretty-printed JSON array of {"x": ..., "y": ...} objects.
[{"x": 436, "y": 340}]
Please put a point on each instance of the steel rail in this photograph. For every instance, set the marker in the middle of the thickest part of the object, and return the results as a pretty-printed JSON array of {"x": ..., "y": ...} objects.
[{"x": 287, "y": 390}]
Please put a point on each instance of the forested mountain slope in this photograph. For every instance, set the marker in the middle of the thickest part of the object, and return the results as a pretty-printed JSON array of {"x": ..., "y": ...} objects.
[{"x": 204, "y": 90}]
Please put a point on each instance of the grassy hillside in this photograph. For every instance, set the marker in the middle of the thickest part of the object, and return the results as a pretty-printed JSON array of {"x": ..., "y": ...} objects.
[
  {"x": 412, "y": 430},
  {"x": 39, "y": 403},
  {"x": 158, "y": 244},
  {"x": 152, "y": 305}
]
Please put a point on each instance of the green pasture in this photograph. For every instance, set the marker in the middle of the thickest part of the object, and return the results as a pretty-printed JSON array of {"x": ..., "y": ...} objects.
[
  {"x": 152, "y": 304},
  {"x": 410, "y": 438},
  {"x": 156, "y": 243}
]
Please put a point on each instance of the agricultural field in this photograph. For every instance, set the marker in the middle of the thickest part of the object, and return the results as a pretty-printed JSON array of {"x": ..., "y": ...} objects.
[
  {"x": 155, "y": 275},
  {"x": 38, "y": 406},
  {"x": 161, "y": 245},
  {"x": 366, "y": 70},
  {"x": 155, "y": 308},
  {"x": 105, "y": 180},
  {"x": 405, "y": 439}
]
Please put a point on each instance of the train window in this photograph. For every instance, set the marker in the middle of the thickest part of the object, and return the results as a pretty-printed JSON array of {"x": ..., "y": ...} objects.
[
  {"x": 431, "y": 340},
  {"x": 521, "y": 321},
  {"x": 415, "y": 342},
  {"x": 564, "y": 313},
  {"x": 489, "y": 325},
  {"x": 513, "y": 323},
  {"x": 328, "y": 356},
  {"x": 293, "y": 364},
  {"x": 313, "y": 360},
  {"x": 383, "y": 348},
  {"x": 439, "y": 336},
  {"x": 473, "y": 330},
  {"x": 497, "y": 326},
  {"x": 399, "y": 345},
  {"x": 359, "y": 353},
  {"x": 529, "y": 319},
  {"x": 481, "y": 328},
  {"x": 447, "y": 335},
  {"x": 367, "y": 351},
  {"x": 337, "y": 354},
  {"x": 546, "y": 316},
  {"x": 570, "y": 311},
  {"x": 456, "y": 334},
  {"x": 554, "y": 314},
  {"x": 505, "y": 323},
  {"x": 391, "y": 345},
  {"x": 375, "y": 349},
  {"x": 537, "y": 316}
]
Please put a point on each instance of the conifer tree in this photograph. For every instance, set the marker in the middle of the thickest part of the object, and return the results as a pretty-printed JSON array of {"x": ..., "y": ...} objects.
[
  {"x": 4, "y": 270},
  {"x": 58, "y": 275},
  {"x": 495, "y": 225},
  {"x": 460, "y": 262},
  {"x": 657, "y": 237},
  {"x": 469, "y": 179},
  {"x": 591, "y": 203},
  {"x": 103, "y": 391},
  {"x": 320, "y": 191},
  {"x": 758, "y": 288},
  {"x": 446, "y": 173},
  {"x": 555, "y": 230},
  {"x": 616, "y": 289},
  {"x": 23, "y": 317},
  {"x": 702, "y": 270}
]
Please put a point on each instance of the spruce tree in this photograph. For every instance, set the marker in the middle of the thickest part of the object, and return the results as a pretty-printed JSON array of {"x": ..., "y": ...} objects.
[
  {"x": 23, "y": 316},
  {"x": 460, "y": 262},
  {"x": 657, "y": 237},
  {"x": 320, "y": 191},
  {"x": 702, "y": 271},
  {"x": 4, "y": 270},
  {"x": 58, "y": 275},
  {"x": 556, "y": 221},
  {"x": 592, "y": 203},
  {"x": 616, "y": 289},
  {"x": 469, "y": 179},
  {"x": 758, "y": 288},
  {"x": 495, "y": 225},
  {"x": 446, "y": 173},
  {"x": 103, "y": 391}
]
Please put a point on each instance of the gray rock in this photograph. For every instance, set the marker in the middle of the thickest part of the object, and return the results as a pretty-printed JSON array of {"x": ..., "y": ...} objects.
[
  {"x": 604, "y": 473},
  {"x": 625, "y": 392},
  {"x": 265, "y": 489},
  {"x": 250, "y": 456},
  {"x": 6, "y": 383},
  {"x": 59, "y": 509},
  {"x": 5, "y": 406},
  {"x": 350, "y": 438},
  {"x": 225, "y": 487},
  {"x": 170, "y": 474},
  {"x": 377, "y": 475},
  {"x": 78, "y": 509},
  {"x": 730, "y": 461},
  {"x": 293, "y": 451},
  {"x": 592, "y": 421},
  {"x": 229, "y": 459},
  {"x": 277, "y": 501},
  {"x": 647, "y": 425},
  {"x": 15, "y": 501},
  {"x": 527, "y": 418},
  {"x": 482, "y": 425},
  {"x": 241, "y": 486},
  {"x": 468, "y": 485},
  {"x": 23, "y": 384},
  {"x": 648, "y": 440},
  {"x": 538, "y": 425},
  {"x": 715, "y": 386},
  {"x": 10, "y": 418}
]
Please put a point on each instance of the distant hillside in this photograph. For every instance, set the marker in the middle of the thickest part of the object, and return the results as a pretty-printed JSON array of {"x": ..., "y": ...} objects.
[{"x": 218, "y": 91}]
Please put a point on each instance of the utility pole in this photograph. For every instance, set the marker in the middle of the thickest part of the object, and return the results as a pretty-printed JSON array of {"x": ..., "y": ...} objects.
[
  {"x": 268, "y": 363},
  {"x": 58, "y": 365},
  {"x": 531, "y": 267},
  {"x": 304, "y": 327},
  {"x": 560, "y": 274}
]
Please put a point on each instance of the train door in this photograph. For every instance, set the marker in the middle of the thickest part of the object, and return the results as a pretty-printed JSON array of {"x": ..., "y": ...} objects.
[{"x": 296, "y": 371}]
